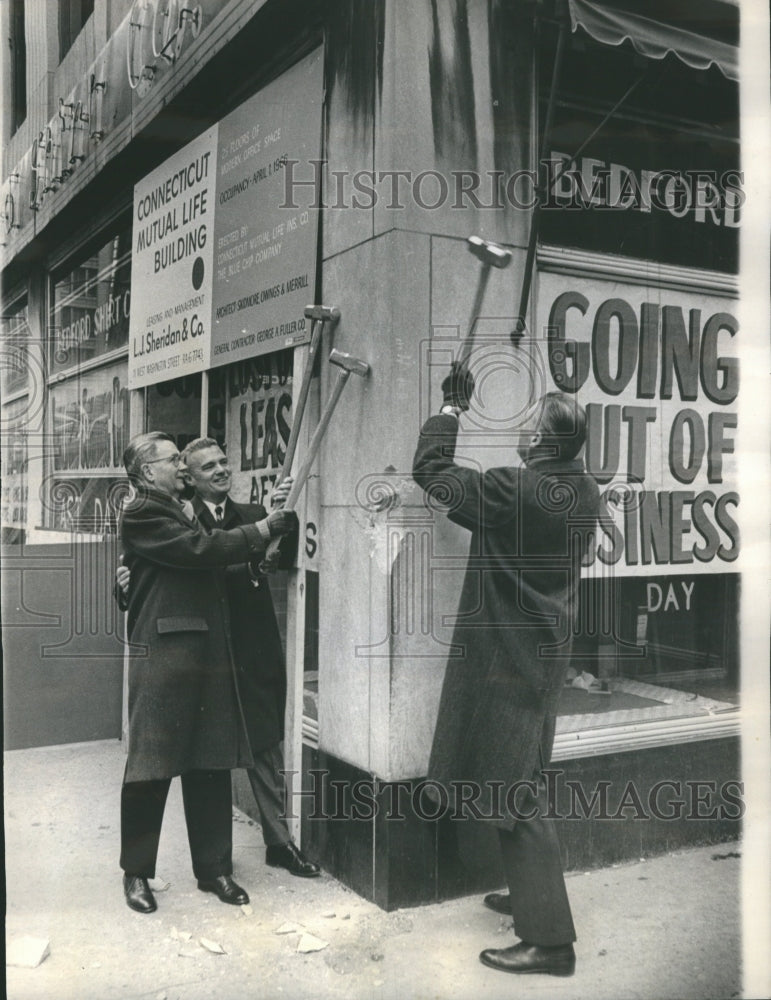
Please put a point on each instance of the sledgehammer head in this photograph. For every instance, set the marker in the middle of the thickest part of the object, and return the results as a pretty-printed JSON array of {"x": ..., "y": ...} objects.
[
  {"x": 488, "y": 253},
  {"x": 348, "y": 363},
  {"x": 322, "y": 313}
]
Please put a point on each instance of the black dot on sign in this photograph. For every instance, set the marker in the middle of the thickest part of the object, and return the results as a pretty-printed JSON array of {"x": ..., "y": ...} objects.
[{"x": 197, "y": 273}]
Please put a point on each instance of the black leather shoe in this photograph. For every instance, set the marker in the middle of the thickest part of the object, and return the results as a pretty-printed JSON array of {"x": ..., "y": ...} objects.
[
  {"x": 138, "y": 894},
  {"x": 225, "y": 888},
  {"x": 290, "y": 856},
  {"x": 523, "y": 957},
  {"x": 498, "y": 901}
]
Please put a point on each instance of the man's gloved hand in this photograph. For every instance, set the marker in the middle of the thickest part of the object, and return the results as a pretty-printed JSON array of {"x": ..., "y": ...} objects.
[
  {"x": 280, "y": 493},
  {"x": 458, "y": 387},
  {"x": 282, "y": 522}
]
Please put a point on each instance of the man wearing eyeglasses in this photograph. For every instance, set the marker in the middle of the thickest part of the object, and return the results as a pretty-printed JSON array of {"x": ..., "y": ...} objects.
[
  {"x": 256, "y": 643},
  {"x": 184, "y": 714}
]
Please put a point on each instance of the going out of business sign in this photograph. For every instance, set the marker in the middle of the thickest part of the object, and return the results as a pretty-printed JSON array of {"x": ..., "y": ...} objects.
[
  {"x": 658, "y": 374},
  {"x": 221, "y": 271}
]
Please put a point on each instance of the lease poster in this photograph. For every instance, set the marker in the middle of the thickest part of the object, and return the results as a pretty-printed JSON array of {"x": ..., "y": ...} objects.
[{"x": 224, "y": 252}]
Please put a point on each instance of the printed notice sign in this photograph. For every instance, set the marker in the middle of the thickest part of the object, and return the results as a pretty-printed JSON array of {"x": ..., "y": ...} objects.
[
  {"x": 171, "y": 272},
  {"x": 224, "y": 257},
  {"x": 265, "y": 238}
]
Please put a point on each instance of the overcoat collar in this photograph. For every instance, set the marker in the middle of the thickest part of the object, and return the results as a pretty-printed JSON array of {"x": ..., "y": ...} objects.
[
  {"x": 145, "y": 495},
  {"x": 548, "y": 465}
]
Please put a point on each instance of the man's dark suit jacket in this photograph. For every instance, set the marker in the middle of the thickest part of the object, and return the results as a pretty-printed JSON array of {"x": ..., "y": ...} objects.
[{"x": 257, "y": 651}]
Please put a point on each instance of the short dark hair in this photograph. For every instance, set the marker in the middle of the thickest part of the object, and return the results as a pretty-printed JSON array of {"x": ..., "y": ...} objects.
[
  {"x": 198, "y": 445},
  {"x": 141, "y": 449},
  {"x": 562, "y": 424}
]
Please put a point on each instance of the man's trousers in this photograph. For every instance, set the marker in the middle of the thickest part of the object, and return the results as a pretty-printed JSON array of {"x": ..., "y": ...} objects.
[
  {"x": 207, "y": 799},
  {"x": 269, "y": 790},
  {"x": 533, "y": 867}
]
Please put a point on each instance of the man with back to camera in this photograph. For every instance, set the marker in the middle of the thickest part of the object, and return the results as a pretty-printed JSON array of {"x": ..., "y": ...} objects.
[
  {"x": 530, "y": 529},
  {"x": 256, "y": 643},
  {"x": 184, "y": 714}
]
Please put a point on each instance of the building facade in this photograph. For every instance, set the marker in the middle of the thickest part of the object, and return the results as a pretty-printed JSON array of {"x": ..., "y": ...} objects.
[{"x": 179, "y": 182}]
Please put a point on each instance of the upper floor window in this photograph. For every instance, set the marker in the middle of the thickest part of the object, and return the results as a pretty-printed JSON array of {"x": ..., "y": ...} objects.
[
  {"x": 17, "y": 44},
  {"x": 73, "y": 14}
]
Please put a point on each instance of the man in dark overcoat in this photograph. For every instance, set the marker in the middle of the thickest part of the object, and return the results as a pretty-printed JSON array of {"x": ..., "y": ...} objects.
[
  {"x": 530, "y": 529},
  {"x": 184, "y": 715},
  {"x": 259, "y": 657}
]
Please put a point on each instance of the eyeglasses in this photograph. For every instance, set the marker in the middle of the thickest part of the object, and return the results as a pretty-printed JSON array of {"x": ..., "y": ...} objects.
[{"x": 174, "y": 459}]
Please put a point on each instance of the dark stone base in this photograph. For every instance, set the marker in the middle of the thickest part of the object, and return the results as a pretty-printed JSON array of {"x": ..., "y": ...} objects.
[{"x": 368, "y": 834}]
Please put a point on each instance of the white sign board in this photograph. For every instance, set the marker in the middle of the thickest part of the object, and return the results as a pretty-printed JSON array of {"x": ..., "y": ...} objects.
[
  {"x": 658, "y": 373},
  {"x": 224, "y": 258}
]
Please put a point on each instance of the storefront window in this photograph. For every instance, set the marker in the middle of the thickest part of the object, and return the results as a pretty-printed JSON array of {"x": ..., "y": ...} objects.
[
  {"x": 671, "y": 632},
  {"x": 88, "y": 403},
  {"x": 658, "y": 183},
  {"x": 14, "y": 420},
  {"x": 89, "y": 427},
  {"x": 661, "y": 178},
  {"x": 91, "y": 307},
  {"x": 15, "y": 338},
  {"x": 14, "y": 496}
]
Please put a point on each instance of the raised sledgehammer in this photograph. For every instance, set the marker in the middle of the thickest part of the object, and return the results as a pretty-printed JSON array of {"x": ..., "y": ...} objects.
[
  {"x": 348, "y": 366},
  {"x": 491, "y": 255},
  {"x": 319, "y": 316}
]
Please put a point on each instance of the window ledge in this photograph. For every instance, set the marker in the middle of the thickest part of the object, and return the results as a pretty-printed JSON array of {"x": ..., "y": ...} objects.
[{"x": 564, "y": 260}]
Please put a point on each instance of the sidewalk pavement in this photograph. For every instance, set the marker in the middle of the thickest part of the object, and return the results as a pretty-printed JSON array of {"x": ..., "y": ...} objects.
[{"x": 661, "y": 929}]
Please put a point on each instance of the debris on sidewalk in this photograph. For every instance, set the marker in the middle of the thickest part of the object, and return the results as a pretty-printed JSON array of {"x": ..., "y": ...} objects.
[
  {"x": 288, "y": 928},
  {"x": 308, "y": 943},
  {"x": 212, "y": 946},
  {"x": 26, "y": 951},
  {"x": 158, "y": 884}
]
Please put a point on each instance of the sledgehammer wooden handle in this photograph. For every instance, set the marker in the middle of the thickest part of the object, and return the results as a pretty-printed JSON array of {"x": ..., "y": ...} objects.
[
  {"x": 348, "y": 365},
  {"x": 319, "y": 316},
  {"x": 489, "y": 255}
]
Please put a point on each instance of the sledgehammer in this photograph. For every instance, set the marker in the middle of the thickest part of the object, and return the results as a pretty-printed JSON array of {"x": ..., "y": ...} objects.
[
  {"x": 318, "y": 315},
  {"x": 348, "y": 365},
  {"x": 491, "y": 255}
]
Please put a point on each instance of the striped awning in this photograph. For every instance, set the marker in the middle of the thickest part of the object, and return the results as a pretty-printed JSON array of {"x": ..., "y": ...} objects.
[{"x": 653, "y": 39}]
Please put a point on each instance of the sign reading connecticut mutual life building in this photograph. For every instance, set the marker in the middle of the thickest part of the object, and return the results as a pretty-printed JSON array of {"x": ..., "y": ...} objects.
[{"x": 221, "y": 271}]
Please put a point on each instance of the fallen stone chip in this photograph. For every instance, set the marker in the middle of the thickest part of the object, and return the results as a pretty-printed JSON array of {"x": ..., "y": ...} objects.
[
  {"x": 212, "y": 946},
  {"x": 27, "y": 951},
  {"x": 308, "y": 943},
  {"x": 158, "y": 884},
  {"x": 329, "y": 914},
  {"x": 247, "y": 909},
  {"x": 287, "y": 928}
]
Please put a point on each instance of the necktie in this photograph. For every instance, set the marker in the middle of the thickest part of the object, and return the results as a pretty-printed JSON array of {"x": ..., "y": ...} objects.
[{"x": 218, "y": 513}]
